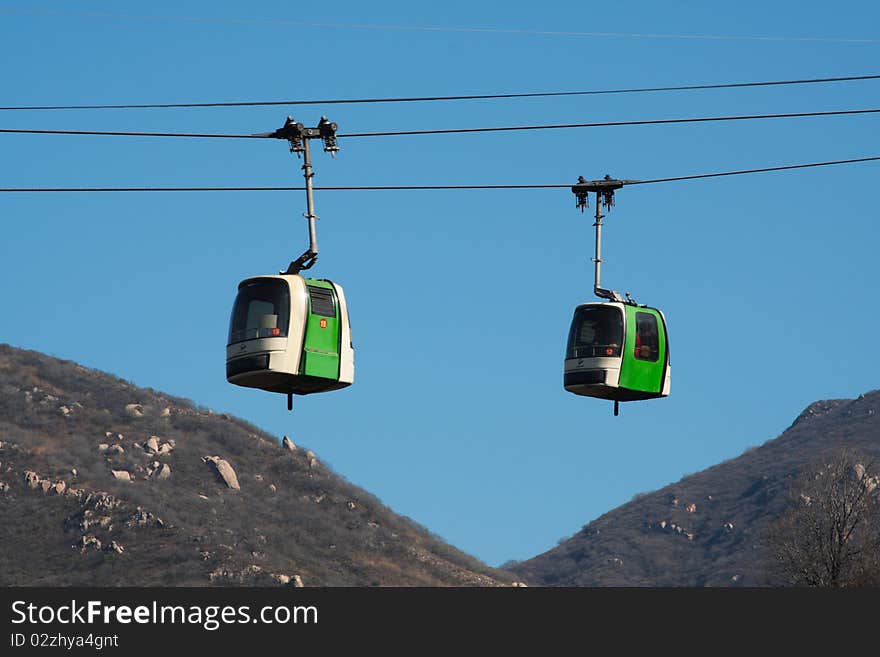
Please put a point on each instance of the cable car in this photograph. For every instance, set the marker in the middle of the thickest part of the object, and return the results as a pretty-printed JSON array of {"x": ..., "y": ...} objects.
[
  {"x": 287, "y": 333},
  {"x": 617, "y": 351},
  {"x": 291, "y": 335}
]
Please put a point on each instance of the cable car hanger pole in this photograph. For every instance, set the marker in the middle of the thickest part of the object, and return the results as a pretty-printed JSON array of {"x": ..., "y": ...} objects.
[
  {"x": 298, "y": 136},
  {"x": 604, "y": 190}
]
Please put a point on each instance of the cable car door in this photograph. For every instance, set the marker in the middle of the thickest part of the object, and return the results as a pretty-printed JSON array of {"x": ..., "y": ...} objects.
[{"x": 321, "y": 342}]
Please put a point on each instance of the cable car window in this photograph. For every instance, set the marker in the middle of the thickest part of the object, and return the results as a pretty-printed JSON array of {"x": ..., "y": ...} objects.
[
  {"x": 596, "y": 331},
  {"x": 647, "y": 337},
  {"x": 261, "y": 310},
  {"x": 322, "y": 301}
]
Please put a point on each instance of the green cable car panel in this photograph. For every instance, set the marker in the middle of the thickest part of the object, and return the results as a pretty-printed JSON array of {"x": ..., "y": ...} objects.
[
  {"x": 321, "y": 344},
  {"x": 617, "y": 351},
  {"x": 291, "y": 335}
]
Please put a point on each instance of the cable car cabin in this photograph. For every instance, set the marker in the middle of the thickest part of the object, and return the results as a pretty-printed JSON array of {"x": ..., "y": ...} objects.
[
  {"x": 617, "y": 351},
  {"x": 291, "y": 335}
]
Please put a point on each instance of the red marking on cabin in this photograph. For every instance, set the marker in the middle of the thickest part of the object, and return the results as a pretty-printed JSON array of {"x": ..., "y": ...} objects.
[{"x": 323, "y": 323}]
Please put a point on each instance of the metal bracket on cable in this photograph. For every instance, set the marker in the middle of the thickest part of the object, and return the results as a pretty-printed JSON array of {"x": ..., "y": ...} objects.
[
  {"x": 604, "y": 190},
  {"x": 296, "y": 134},
  {"x": 298, "y": 137}
]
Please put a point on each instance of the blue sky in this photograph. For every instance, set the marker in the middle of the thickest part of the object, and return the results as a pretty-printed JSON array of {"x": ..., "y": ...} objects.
[{"x": 460, "y": 301}]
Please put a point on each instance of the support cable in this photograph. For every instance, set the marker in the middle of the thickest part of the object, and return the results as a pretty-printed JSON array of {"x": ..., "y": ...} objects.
[{"x": 428, "y": 99}]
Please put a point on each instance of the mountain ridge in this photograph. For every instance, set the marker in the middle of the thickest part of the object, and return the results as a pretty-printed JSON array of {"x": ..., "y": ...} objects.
[
  {"x": 104, "y": 483},
  {"x": 708, "y": 528}
]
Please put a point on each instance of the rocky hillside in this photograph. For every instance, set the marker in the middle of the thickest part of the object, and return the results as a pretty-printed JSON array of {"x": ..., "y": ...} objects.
[
  {"x": 103, "y": 483},
  {"x": 708, "y": 528}
]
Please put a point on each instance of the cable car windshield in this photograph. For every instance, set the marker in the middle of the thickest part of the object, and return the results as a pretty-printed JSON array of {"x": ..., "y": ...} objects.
[
  {"x": 261, "y": 310},
  {"x": 596, "y": 331}
]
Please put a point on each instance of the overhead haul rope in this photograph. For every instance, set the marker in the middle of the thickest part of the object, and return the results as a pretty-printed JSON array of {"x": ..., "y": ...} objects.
[
  {"x": 353, "y": 188},
  {"x": 422, "y": 99},
  {"x": 266, "y": 135}
]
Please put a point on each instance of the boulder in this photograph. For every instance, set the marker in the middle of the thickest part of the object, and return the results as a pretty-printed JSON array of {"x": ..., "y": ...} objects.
[
  {"x": 103, "y": 447},
  {"x": 691, "y": 508},
  {"x": 118, "y": 548},
  {"x": 297, "y": 582},
  {"x": 144, "y": 518},
  {"x": 287, "y": 443},
  {"x": 74, "y": 492},
  {"x": 121, "y": 475},
  {"x": 152, "y": 445},
  {"x": 59, "y": 488},
  {"x": 116, "y": 449},
  {"x": 162, "y": 472},
  {"x": 100, "y": 501},
  {"x": 45, "y": 486},
  {"x": 165, "y": 449},
  {"x": 4, "y": 487},
  {"x": 273, "y": 488},
  {"x": 134, "y": 410},
  {"x": 223, "y": 471},
  {"x": 89, "y": 542},
  {"x": 32, "y": 479},
  {"x": 313, "y": 463},
  {"x": 104, "y": 522},
  {"x": 310, "y": 455}
]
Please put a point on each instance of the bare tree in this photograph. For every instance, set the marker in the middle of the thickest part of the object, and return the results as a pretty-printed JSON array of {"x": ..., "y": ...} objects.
[{"x": 830, "y": 534}]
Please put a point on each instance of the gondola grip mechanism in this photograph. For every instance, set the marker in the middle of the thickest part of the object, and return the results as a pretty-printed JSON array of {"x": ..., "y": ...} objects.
[
  {"x": 298, "y": 137},
  {"x": 604, "y": 190}
]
